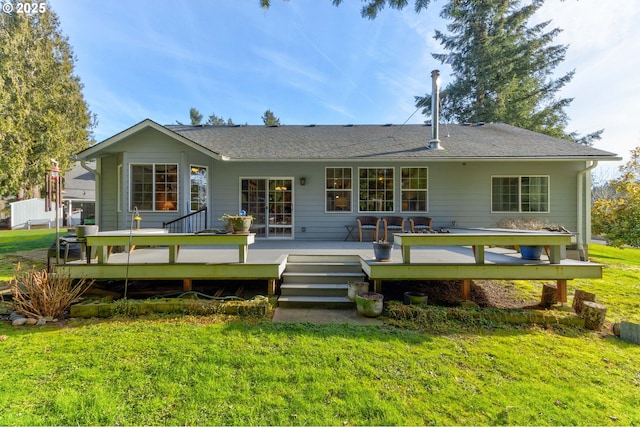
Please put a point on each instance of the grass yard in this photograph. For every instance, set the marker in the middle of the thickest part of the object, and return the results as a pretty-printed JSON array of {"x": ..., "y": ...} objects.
[
  {"x": 14, "y": 241},
  {"x": 169, "y": 370}
]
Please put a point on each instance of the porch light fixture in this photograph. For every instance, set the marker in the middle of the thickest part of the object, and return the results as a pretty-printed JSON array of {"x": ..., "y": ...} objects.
[{"x": 303, "y": 180}]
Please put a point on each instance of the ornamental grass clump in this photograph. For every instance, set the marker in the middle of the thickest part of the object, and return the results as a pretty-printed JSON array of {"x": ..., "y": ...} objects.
[{"x": 37, "y": 293}]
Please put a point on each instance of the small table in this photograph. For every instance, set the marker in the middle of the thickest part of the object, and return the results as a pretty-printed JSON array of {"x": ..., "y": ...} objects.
[
  {"x": 103, "y": 241},
  {"x": 479, "y": 239},
  {"x": 350, "y": 230}
]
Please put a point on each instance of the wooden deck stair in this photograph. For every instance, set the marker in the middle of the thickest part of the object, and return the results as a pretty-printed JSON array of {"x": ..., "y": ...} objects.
[{"x": 319, "y": 281}]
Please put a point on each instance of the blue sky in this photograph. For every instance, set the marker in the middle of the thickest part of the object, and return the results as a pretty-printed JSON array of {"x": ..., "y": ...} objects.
[{"x": 311, "y": 62}]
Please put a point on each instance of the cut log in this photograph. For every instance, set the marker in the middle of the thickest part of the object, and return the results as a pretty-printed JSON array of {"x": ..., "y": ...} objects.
[
  {"x": 593, "y": 315},
  {"x": 579, "y": 298},
  {"x": 549, "y": 295}
]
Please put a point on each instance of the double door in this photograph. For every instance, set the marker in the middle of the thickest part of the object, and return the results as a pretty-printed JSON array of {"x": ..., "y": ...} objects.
[{"x": 270, "y": 201}]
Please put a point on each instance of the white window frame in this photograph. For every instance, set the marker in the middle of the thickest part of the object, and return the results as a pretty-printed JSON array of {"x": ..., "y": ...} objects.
[
  {"x": 520, "y": 210},
  {"x": 327, "y": 190},
  {"x": 154, "y": 193},
  {"x": 393, "y": 190},
  {"x": 426, "y": 190},
  {"x": 206, "y": 187}
]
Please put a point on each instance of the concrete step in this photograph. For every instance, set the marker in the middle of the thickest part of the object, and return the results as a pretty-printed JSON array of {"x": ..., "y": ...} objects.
[
  {"x": 315, "y": 302},
  {"x": 325, "y": 267},
  {"x": 298, "y": 277},
  {"x": 320, "y": 259},
  {"x": 314, "y": 289}
]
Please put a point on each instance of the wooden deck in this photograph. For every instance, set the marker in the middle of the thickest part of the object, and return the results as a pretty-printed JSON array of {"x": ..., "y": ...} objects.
[{"x": 267, "y": 260}]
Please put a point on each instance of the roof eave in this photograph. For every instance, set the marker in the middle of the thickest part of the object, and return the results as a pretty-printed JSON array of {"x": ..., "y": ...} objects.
[{"x": 95, "y": 150}]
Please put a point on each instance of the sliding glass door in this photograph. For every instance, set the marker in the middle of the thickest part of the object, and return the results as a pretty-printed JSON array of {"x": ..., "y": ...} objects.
[{"x": 270, "y": 201}]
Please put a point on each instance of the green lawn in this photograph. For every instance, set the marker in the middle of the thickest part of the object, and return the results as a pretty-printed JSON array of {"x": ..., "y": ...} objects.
[{"x": 169, "y": 370}]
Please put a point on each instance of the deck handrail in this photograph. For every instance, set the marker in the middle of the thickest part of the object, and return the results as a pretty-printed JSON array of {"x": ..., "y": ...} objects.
[{"x": 190, "y": 223}]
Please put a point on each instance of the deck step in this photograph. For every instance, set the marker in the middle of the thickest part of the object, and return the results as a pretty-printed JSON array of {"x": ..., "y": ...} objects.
[
  {"x": 321, "y": 259},
  {"x": 314, "y": 289},
  {"x": 298, "y": 277},
  {"x": 329, "y": 267},
  {"x": 315, "y": 302}
]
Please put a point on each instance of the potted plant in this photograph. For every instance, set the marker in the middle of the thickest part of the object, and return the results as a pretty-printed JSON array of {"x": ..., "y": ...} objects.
[
  {"x": 533, "y": 224},
  {"x": 382, "y": 250},
  {"x": 369, "y": 304},
  {"x": 238, "y": 223},
  {"x": 356, "y": 288}
]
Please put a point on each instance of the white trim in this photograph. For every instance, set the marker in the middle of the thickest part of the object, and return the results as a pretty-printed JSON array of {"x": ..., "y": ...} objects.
[
  {"x": 326, "y": 190},
  {"x": 409, "y": 189},
  {"x": 393, "y": 187},
  {"x": 153, "y": 164},
  {"x": 520, "y": 211}
]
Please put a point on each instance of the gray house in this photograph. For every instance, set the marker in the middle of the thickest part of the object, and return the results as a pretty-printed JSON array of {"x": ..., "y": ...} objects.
[{"x": 309, "y": 182}]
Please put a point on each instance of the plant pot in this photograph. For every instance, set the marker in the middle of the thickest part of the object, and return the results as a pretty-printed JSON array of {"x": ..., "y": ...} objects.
[
  {"x": 414, "y": 298},
  {"x": 241, "y": 225},
  {"x": 356, "y": 288},
  {"x": 369, "y": 304},
  {"x": 530, "y": 252},
  {"x": 382, "y": 251},
  {"x": 86, "y": 230}
]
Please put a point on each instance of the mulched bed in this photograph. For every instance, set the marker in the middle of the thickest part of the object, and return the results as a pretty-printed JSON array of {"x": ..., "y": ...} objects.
[{"x": 485, "y": 293}]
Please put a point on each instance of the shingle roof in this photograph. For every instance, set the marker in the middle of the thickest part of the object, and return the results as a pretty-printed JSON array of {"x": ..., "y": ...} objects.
[{"x": 339, "y": 142}]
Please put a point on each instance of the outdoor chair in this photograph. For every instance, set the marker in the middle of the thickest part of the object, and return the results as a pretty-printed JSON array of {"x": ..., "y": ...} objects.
[
  {"x": 420, "y": 224},
  {"x": 368, "y": 223},
  {"x": 393, "y": 223}
]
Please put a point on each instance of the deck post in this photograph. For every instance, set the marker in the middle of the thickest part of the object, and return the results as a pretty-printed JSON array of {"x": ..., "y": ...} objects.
[
  {"x": 466, "y": 289},
  {"x": 271, "y": 286},
  {"x": 187, "y": 284},
  {"x": 377, "y": 285},
  {"x": 561, "y": 291}
]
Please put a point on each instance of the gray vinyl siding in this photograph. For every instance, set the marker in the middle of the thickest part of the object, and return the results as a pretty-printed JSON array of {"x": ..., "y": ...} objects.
[
  {"x": 459, "y": 193},
  {"x": 108, "y": 193}
]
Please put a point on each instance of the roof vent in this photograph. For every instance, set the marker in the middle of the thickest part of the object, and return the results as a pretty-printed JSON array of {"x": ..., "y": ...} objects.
[
  {"x": 434, "y": 143},
  {"x": 387, "y": 125}
]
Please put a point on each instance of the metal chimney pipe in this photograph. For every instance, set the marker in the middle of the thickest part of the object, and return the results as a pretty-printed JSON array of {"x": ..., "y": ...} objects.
[{"x": 434, "y": 143}]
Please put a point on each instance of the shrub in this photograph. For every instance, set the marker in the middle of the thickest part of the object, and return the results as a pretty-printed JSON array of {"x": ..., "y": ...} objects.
[{"x": 37, "y": 293}]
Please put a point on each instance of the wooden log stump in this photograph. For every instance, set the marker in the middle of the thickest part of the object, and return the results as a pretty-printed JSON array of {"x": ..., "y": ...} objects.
[
  {"x": 593, "y": 315},
  {"x": 549, "y": 295},
  {"x": 579, "y": 298}
]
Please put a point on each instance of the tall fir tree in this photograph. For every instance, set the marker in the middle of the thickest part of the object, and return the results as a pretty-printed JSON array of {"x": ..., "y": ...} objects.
[
  {"x": 43, "y": 114},
  {"x": 503, "y": 68},
  {"x": 270, "y": 119},
  {"x": 195, "y": 117}
]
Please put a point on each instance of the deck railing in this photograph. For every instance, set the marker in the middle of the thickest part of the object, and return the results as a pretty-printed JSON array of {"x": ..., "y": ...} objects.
[{"x": 190, "y": 223}]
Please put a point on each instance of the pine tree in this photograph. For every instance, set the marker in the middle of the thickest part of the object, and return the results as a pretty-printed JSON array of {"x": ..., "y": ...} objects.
[
  {"x": 195, "y": 117},
  {"x": 502, "y": 68},
  {"x": 43, "y": 114},
  {"x": 270, "y": 119}
]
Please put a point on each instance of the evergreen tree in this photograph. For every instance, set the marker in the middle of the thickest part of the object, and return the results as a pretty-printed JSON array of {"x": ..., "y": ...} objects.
[
  {"x": 502, "y": 68},
  {"x": 43, "y": 114},
  {"x": 270, "y": 119},
  {"x": 195, "y": 117},
  {"x": 371, "y": 7}
]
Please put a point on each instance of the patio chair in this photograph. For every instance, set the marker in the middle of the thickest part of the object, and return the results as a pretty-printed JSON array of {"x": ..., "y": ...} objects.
[
  {"x": 368, "y": 223},
  {"x": 393, "y": 223},
  {"x": 420, "y": 224}
]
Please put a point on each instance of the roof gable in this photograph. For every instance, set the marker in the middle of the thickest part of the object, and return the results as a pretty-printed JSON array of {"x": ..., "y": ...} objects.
[{"x": 110, "y": 144}]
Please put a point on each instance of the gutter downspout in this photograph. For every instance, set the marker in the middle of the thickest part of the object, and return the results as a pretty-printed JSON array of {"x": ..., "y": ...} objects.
[
  {"x": 583, "y": 222},
  {"x": 96, "y": 176}
]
